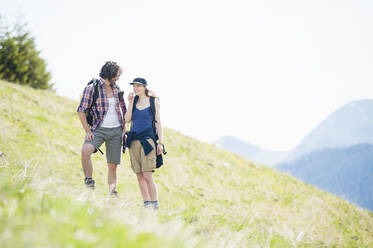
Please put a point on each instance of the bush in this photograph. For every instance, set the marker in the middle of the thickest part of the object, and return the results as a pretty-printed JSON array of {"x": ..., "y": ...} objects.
[{"x": 20, "y": 61}]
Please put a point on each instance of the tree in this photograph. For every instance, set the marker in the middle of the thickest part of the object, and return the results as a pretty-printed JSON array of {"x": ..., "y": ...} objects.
[{"x": 20, "y": 61}]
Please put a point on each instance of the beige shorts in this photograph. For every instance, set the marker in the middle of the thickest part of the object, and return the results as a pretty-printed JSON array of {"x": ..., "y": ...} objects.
[{"x": 140, "y": 162}]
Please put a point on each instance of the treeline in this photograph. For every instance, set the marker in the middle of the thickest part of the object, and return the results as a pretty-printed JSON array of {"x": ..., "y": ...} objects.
[{"x": 20, "y": 61}]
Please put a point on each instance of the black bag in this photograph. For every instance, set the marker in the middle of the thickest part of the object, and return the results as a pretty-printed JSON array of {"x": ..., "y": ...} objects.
[
  {"x": 89, "y": 114},
  {"x": 95, "y": 96},
  {"x": 152, "y": 109},
  {"x": 159, "y": 162}
]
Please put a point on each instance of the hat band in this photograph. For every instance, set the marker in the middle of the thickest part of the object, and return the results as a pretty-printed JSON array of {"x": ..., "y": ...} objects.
[{"x": 138, "y": 83}]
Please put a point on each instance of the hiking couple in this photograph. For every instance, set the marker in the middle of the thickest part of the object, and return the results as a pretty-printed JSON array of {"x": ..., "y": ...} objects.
[{"x": 103, "y": 114}]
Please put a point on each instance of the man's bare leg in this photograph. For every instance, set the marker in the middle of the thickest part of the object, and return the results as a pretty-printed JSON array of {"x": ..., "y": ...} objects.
[
  {"x": 87, "y": 151},
  {"x": 112, "y": 177}
]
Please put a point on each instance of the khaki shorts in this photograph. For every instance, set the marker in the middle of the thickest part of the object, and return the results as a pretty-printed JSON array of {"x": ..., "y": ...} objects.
[{"x": 140, "y": 162}]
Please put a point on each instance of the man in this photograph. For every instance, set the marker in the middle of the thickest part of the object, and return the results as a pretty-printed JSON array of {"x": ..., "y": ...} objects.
[{"x": 107, "y": 123}]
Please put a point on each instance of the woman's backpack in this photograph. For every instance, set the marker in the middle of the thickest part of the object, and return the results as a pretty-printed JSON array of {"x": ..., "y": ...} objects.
[{"x": 153, "y": 111}]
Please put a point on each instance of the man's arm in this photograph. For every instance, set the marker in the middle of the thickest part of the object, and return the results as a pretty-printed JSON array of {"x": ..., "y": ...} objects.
[
  {"x": 87, "y": 99},
  {"x": 83, "y": 107},
  {"x": 123, "y": 107},
  {"x": 83, "y": 120}
]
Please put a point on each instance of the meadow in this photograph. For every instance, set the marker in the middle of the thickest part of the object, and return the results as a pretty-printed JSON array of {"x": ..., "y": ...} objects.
[{"x": 208, "y": 197}]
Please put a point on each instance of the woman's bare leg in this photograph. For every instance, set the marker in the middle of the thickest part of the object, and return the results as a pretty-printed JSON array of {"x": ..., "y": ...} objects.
[
  {"x": 152, "y": 188},
  {"x": 143, "y": 186}
]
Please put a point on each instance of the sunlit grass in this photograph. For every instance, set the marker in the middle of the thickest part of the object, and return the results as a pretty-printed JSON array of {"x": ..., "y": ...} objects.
[{"x": 209, "y": 197}]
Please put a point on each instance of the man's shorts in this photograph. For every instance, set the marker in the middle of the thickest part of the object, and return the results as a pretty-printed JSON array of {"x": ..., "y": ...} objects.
[
  {"x": 113, "y": 142},
  {"x": 140, "y": 162}
]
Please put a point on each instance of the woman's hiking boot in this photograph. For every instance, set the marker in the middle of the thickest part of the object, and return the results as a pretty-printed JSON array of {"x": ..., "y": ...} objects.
[
  {"x": 155, "y": 205},
  {"x": 151, "y": 205},
  {"x": 147, "y": 205}
]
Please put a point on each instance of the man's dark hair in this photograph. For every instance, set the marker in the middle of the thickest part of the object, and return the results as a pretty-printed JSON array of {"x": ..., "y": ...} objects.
[{"x": 109, "y": 70}]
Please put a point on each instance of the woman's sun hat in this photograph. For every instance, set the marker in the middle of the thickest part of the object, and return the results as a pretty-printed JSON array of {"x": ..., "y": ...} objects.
[{"x": 139, "y": 81}]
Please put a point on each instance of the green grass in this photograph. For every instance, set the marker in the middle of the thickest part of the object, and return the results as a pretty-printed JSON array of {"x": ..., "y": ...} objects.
[{"x": 209, "y": 197}]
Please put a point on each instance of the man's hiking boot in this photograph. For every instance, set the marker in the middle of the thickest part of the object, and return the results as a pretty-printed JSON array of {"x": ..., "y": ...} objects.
[
  {"x": 90, "y": 183},
  {"x": 114, "y": 193}
]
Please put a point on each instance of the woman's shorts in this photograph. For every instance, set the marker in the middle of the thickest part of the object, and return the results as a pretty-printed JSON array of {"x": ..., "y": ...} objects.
[
  {"x": 113, "y": 142},
  {"x": 140, "y": 162}
]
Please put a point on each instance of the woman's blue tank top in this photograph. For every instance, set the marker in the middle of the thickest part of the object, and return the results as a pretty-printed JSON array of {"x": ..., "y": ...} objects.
[{"x": 141, "y": 119}]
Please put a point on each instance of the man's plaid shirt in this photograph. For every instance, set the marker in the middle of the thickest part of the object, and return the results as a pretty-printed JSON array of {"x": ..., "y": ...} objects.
[{"x": 102, "y": 104}]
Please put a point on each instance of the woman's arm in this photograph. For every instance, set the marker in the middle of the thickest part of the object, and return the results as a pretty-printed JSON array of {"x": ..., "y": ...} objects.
[
  {"x": 128, "y": 115},
  {"x": 158, "y": 123}
]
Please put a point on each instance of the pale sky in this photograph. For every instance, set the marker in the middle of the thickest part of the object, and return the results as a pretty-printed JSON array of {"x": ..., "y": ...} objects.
[{"x": 266, "y": 72}]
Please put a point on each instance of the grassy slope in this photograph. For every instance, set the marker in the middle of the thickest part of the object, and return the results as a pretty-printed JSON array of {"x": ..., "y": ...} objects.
[{"x": 209, "y": 197}]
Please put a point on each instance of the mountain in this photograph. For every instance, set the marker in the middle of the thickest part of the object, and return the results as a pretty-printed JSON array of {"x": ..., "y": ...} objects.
[
  {"x": 349, "y": 125},
  {"x": 247, "y": 150},
  {"x": 209, "y": 197},
  {"x": 346, "y": 172}
]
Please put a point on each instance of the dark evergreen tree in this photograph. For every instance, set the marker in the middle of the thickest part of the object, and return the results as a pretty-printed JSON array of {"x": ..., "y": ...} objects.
[{"x": 20, "y": 61}]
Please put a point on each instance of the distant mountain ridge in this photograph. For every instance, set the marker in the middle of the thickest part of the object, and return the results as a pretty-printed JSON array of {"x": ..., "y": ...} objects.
[
  {"x": 346, "y": 172},
  {"x": 341, "y": 146},
  {"x": 247, "y": 150},
  {"x": 349, "y": 125}
]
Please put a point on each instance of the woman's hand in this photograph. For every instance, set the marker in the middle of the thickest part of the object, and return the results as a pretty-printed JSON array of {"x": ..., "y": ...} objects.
[
  {"x": 159, "y": 149},
  {"x": 130, "y": 97}
]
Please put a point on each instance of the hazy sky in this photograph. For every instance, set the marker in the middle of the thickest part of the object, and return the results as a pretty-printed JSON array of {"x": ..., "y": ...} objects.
[{"x": 266, "y": 72}]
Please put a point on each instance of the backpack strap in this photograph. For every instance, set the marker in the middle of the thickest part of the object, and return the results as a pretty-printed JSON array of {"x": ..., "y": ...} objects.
[
  {"x": 91, "y": 82},
  {"x": 152, "y": 107},
  {"x": 95, "y": 93},
  {"x": 135, "y": 102},
  {"x": 153, "y": 110},
  {"x": 133, "y": 109}
]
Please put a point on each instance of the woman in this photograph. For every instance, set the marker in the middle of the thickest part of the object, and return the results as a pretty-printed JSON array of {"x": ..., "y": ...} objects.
[{"x": 141, "y": 140}]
